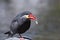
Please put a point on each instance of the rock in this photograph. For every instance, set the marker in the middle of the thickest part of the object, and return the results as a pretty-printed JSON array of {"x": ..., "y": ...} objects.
[{"x": 15, "y": 38}]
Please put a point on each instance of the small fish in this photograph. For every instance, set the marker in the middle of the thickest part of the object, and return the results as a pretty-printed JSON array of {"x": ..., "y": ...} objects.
[{"x": 36, "y": 21}]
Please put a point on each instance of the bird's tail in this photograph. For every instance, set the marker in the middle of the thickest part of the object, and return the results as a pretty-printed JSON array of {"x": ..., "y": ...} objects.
[{"x": 8, "y": 32}]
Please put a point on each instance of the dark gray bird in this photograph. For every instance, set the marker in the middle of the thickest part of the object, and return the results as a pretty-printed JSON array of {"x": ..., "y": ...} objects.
[{"x": 21, "y": 23}]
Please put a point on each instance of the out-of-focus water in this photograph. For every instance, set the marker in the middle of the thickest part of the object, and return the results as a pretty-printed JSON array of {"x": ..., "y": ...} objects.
[{"x": 45, "y": 30}]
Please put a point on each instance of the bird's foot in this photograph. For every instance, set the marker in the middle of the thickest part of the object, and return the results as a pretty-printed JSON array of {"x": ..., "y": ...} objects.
[{"x": 22, "y": 38}]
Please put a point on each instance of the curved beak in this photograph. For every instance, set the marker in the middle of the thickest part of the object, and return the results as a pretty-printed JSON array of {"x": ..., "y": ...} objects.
[{"x": 32, "y": 17}]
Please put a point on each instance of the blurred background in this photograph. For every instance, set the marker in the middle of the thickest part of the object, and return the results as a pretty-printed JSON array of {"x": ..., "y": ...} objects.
[{"x": 47, "y": 12}]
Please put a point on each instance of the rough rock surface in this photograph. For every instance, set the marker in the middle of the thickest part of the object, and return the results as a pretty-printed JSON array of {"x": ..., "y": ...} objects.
[{"x": 15, "y": 38}]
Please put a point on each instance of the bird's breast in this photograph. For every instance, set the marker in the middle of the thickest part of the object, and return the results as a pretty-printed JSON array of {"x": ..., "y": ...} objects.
[{"x": 24, "y": 27}]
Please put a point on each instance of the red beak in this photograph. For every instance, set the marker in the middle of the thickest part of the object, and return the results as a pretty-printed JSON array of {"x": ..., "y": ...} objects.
[{"x": 32, "y": 17}]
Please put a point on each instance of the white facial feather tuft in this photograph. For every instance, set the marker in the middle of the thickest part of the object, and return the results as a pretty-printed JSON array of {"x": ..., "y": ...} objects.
[{"x": 26, "y": 16}]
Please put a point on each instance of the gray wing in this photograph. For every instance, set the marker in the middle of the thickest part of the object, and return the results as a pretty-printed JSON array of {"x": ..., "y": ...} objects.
[{"x": 14, "y": 26}]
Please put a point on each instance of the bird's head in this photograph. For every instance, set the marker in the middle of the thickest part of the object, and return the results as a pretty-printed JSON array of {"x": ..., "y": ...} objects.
[{"x": 29, "y": 15}]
